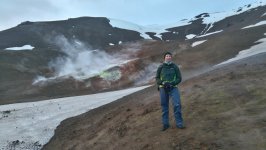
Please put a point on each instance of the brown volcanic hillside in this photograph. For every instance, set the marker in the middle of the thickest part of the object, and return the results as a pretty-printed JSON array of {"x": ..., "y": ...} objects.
[
  {"x": 192, "y": 60},
  {"x": 19, "y": 69},
  {"x": 223, "y": 109}
]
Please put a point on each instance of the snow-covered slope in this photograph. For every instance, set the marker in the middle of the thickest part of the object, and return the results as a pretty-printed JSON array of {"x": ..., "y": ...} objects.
[
  {"x": 30, "y": 125},
  {"x": 207, "y": 18},
  {"x": 158, "y": 29},
  {"x": 259, "y": 48}
]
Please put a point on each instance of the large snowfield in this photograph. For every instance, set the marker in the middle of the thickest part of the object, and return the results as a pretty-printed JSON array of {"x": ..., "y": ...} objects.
[{"x": 31, "y": 125}]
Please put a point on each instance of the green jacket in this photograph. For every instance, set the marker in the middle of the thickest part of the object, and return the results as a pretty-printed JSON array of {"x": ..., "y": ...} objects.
[{"x": 168, "y": 73}]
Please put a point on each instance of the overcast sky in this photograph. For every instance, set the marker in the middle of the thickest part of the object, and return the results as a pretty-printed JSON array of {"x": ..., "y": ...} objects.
[{"x": 142, "y": 12}]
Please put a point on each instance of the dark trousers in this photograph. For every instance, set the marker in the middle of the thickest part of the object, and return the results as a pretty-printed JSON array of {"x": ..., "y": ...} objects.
[{"x": 174, "y": 94}]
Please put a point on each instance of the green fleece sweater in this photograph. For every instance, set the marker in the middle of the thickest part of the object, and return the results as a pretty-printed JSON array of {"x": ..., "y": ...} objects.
[{"x": 168, "y": 73}]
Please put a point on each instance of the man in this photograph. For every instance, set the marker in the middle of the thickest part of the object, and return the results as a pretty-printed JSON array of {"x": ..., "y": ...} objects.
[{"x": 168, "y": 77}]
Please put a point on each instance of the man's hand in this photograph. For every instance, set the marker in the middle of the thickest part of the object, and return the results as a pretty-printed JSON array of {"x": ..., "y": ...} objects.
[{"x": 167, "y": 86}]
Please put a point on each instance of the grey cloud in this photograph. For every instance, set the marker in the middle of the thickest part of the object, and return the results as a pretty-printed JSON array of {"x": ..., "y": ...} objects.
[
  {"x": 16, "y": 8},
  {"x": 12, "y": 12}
]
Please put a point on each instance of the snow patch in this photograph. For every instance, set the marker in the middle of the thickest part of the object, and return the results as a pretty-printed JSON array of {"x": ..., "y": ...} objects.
[
  {"x": 255, "y": 25},
  {"x": 157, "y": 29},
  {"x": 31, "y": 125},
  {"x": 209, "y": 34},
  {"x": 111, "y": 44},
  {"x": 211, "y": 18},
  {"x": 25, "y": 47},
  {"x": 198, "y": 43},
  {"x": 190, "y": 36},
  {"x": 129, "y": 26},
  {"x": 256, "y": 49},
  {"x": 217, "y": 16}
]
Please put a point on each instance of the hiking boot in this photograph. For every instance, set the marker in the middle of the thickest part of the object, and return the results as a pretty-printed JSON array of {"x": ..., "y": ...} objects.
[
  {"x": 181, "y": 127},
  {"x": 165, "y": 127}
]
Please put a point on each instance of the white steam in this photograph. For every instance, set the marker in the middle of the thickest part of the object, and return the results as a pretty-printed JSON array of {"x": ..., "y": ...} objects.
[
  {"x": 79, "y": 61},
  {"x": 84, "y": 64},
  {"x": 146, "y": 75}
]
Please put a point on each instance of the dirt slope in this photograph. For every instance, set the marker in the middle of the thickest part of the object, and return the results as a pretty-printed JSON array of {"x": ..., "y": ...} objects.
[{"x": 223, "y": 109}]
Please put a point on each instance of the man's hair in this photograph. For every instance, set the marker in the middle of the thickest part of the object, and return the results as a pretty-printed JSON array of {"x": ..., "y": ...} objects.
[{"x": 167, "y": 53}]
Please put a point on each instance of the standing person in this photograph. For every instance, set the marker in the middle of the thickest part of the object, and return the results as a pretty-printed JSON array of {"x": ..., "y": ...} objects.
[{"x": 168, "y": 77}]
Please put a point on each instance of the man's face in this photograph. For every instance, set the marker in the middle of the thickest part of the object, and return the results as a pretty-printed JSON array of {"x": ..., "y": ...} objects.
[{"x": 168, "y": 57}]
